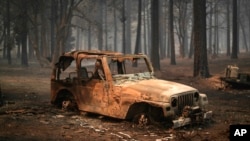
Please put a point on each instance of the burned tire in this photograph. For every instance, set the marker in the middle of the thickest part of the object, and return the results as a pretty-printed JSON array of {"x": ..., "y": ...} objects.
[
  {"x": 67, "y": 102},
  {"x": 69, "y": 105},
  {"x": 142, "y": 119}
]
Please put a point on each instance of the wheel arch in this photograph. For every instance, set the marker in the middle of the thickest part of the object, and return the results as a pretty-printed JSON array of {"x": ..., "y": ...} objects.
[
  {"x": 153, "y": 110},
  {"x": 60, "y": 95}
]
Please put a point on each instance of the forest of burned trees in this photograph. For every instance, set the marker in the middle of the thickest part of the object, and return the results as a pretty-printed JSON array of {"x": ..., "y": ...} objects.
[{"x": 44, "y": 29}]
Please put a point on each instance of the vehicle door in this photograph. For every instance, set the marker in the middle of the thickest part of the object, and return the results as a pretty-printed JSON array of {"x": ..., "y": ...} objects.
[{"x": 93, "y": 88}]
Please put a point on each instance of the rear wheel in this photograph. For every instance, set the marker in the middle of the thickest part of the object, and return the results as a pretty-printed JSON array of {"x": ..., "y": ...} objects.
[
  {"x": 69, "y": 105},
  {"x": 67, "y": 102}
]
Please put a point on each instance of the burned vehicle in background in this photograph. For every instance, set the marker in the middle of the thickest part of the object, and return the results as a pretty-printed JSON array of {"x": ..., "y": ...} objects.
[
  {"x": 123, "y": 87},
  {"x": 235, "y": 78}
]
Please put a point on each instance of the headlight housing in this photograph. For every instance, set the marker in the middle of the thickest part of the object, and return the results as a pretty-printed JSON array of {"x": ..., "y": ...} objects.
[
  {"x": 174, "y": 102},
  {"x": 196, "y": 96}
]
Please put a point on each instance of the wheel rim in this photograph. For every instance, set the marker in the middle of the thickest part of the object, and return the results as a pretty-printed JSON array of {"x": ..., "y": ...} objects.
[
  {"x": 66, "y": 104},
  {"x": 69, "y": 104},
  {"x": 142, "y": 119}
]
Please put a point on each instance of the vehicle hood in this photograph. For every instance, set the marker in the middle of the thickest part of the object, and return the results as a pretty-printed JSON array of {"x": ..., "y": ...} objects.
[{"x": 156, "y": 89}]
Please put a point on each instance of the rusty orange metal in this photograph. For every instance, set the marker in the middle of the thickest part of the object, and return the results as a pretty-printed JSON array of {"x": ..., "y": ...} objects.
[{"x": 121, "y": 86}]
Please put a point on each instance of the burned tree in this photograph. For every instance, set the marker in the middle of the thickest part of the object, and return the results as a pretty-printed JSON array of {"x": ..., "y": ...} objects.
[
  {"x": 171, "y": 32},
  {"x": 200, "y": 46},
  {"x": 155, "y": 58},
  {"x": 235, "y": 31},
  {"x": 63, "y": 25}
]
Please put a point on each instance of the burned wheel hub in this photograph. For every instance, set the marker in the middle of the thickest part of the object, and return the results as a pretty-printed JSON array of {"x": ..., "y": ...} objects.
[
  {"x": 69, "y": 105},
  {"x": 142, "y": 119},
  {"x": 66, "y": 104}
]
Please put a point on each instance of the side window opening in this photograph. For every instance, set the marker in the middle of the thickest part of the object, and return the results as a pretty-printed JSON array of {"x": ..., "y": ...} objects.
[
  {"x": 116, "y": 67},
  {"x": 91, "y": 68},
  {"x": 87, "y": 68},
  {"x": 67, "y": 70}
]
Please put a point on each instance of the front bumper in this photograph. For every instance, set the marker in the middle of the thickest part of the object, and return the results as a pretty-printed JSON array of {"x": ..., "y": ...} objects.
[{"x": 182, "y": 121}]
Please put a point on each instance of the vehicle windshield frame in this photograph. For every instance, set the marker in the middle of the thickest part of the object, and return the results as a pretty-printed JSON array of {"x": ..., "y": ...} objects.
[{"x": 148, "y": 74}]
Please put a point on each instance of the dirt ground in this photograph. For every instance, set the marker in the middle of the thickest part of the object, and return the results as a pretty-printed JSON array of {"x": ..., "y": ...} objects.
[{"x": 26, "y": 112}]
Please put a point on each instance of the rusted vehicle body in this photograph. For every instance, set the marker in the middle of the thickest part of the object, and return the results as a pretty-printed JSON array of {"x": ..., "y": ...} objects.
[{"x": 124, "y": 87}]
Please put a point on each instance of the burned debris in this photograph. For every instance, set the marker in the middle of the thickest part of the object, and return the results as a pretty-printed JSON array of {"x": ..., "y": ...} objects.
[{"x": 234, "y": 78}]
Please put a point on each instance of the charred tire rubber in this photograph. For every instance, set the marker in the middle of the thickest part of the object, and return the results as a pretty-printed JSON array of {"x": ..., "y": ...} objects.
[
  {"x": 67, "y": 102},
  {"x": 142, "y": 119}
]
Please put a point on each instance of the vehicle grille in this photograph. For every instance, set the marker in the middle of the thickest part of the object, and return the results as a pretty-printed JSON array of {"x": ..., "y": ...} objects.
[{"x": 185, "y": 100}]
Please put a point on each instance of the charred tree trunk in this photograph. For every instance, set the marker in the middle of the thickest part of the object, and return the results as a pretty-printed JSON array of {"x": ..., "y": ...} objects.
[
  {"x": 228, "y": 27},
  {"x": 106, "y": 24},
  {"x": 149, "y": 24},
  {"x": 145, "y": 27},
  {"x": 123, "y": 20},
  {"x": 200, "y": 49},
  {"x": 52, "y": 27},
  {"x": 8, "y": 33},
  {"x": 216, "y": 31},
  {"x": 234, "y": 54},
  {"x": 155, "y": 58},
  {"x": 128, "y": 26},
  {"x": 100, "y": 27},
  {"x": 210, "y": 31},
  {"x": 89, "y": 30},
  {"x": 115, "y": 27},
  {"x": 138, "y": 34},
  {"x": 24, "y": 33},
  {"x": 171, "y": 32},
  {"x": 161, "y": 30}
]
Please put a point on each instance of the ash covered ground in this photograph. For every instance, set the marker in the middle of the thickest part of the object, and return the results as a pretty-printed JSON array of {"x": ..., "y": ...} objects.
[{"x": 26, "y": 113}]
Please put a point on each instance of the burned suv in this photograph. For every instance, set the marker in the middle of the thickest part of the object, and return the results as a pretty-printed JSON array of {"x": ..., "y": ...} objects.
[{"x": 123, "y": 86}]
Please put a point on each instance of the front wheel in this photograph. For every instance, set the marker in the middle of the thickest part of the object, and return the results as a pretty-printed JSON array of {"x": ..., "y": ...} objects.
[{"x": 142, "y": 119}]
